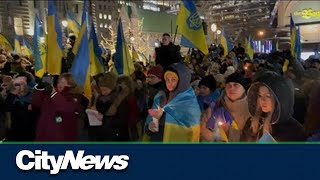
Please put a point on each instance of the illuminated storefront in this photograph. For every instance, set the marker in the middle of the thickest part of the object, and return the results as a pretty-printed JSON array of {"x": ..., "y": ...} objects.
[{"x": 306, "y": 15}]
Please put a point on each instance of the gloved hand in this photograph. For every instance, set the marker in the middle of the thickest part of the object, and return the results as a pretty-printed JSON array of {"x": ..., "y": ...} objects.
[{"x": 47, "y": 87}]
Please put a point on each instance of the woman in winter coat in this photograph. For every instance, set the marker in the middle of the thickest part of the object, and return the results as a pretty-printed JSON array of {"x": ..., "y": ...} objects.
[
  {"x": 271, "y": 100},
  {"x": 175, "y": 114},
  {"x": 208, "y": 92},
  {"x": 133, "y": 116},
  {"x": 225, "y": 118},
  {"x": 113, "y": 108},
  {"x": 18, "y": 112},
  {"x": 59, "y": 110}
]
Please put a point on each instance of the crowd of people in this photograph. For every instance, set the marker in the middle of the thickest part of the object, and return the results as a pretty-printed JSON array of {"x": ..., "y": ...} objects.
[{"x": 191, "y": 98}]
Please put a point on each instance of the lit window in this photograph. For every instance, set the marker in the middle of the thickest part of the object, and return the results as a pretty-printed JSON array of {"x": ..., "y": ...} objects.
[
  {"x": 104, "y": 16},
  {"x": 101, "y": 25},
  {"x": 105, "y": 25},
  {"x": 109, "y": 17},
  {"x": 100, "y": 16}
]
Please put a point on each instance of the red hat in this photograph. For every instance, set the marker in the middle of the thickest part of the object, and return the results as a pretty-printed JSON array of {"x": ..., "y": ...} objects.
[{"x": 157, "y": 71}]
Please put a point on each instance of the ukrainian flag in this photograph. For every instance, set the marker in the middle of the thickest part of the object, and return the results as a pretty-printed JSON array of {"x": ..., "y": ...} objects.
[
  {"x": 40, "y": 49},
  {"x": 73, "y": 25},
  {"x": 96, "y": 64},
  {"x": 80, "y": 69},
  {"x": 249, "y": 48},
  {"x": 226, "y": 43},
  {"x": 27, "y": 50},
  {"x": 123, "y": 61},
  {"x": 55, "y": 47},
  {"x": 190, "y": 26},
  {"x": 5, "y": 44},
  {"x": 17, "y": 47},
  {"x": 181, "y": 124},
  {"x": 295, "y": 40}
]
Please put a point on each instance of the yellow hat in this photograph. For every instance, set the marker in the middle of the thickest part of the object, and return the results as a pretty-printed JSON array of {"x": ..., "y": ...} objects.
[{"x": 172, "y": 73}]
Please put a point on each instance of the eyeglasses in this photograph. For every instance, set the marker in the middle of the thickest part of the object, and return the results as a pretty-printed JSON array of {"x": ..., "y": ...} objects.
[{"x": 17, "y": 85}]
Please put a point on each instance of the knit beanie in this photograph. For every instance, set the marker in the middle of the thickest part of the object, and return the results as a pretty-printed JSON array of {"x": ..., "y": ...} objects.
[
  {"x": 157, "y": 71},
  {"x": 209, "y": 81},
  {"x": 237, "y": 78},
  {"x": 108, "y": 80}
]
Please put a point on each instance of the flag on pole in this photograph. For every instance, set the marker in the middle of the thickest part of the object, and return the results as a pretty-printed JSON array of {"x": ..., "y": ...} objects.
[
  {"x": 80, "y": 69},
  {"x": 5, "y": 44},
  {"x": 226, "y": 43},
  {"x": 295, "y": 39},
  {"x": 39, "y": 50},
  {"x": 26, "y": 48},
  {"x": 190, "y": 27},
  {"x": 249, "y": 48},
  {"x": 55, "y": 45},
  {"x": 96, "y": 63},
  {"x": 73, "y": 25},
  {"x": 123, "y": 61},
  {"x": 17, "y": 46}
]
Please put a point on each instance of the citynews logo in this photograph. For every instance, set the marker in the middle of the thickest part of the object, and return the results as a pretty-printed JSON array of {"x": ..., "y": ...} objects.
[{"x": 40, "y": 160}]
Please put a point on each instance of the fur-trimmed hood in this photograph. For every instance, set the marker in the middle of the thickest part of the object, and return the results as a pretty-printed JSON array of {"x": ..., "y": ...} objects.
[{"x": 108, "y": 105}]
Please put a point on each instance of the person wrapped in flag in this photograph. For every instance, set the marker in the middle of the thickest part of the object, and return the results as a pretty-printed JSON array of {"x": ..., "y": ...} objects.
[{"x": 175, "y": 114}]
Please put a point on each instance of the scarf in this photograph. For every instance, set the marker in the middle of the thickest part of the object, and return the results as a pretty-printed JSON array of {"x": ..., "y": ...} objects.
[{"x": 238, "y": 109}]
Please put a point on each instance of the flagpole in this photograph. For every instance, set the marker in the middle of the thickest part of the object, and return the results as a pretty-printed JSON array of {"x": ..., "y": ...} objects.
[
  {"x": 174, "y": 40},
  {"x": 171, "y": 27}
]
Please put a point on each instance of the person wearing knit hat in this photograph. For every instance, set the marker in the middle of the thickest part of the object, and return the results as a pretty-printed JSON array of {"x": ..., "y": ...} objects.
[
  {"x": 155, "y": 83},
  {"x": 113, "y": 109},
  {"x": 229, "y": 114},
  {"x": 107, "y": 83},
  {"x": 237, "y": 78},
  {"x": 208, "y": 92},
  {"x": 155, "y": 75}
]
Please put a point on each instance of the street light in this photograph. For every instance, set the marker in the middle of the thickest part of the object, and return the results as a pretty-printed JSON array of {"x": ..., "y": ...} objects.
[
  {"x": 219, "y": 32},
  {"x": 213, "y": 27},
  {"x": 260, "y": 33},
  {"x": 64, "y": 23}
]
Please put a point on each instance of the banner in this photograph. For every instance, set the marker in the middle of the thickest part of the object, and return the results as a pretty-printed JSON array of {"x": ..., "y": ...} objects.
[{"x": 159, "y": 161}]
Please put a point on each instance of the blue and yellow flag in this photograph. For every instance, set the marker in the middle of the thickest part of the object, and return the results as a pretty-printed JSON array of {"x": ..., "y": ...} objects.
[
  {"x": 5, "y": 44},
  {"x": 73, "y": 25},
  {"x": 55, "y": 47},
  {"x": 249, "y": 48},
  {"x": 295, "y": 39},
  {"x": 190, "y": 26},
  {"x": 26, "y": 48},
  {"x": 80, "y": 69},
  {"x": 122, "y": 59},
  {"x": 226, "y": 43},
  {"x": 181, "y": 124},
  {"x": 17, "y": 46},
  {"x": 40, "y": 49},
  {"x": 96, "y": 63}
]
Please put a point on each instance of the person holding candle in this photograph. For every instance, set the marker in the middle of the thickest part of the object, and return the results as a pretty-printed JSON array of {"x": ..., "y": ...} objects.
[
  {"x": 225, "y": 118},
  {"x": 175, "y": 114}
]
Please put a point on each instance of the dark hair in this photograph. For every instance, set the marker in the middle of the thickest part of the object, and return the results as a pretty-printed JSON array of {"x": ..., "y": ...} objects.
[{"x": 166, "y": 34}]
